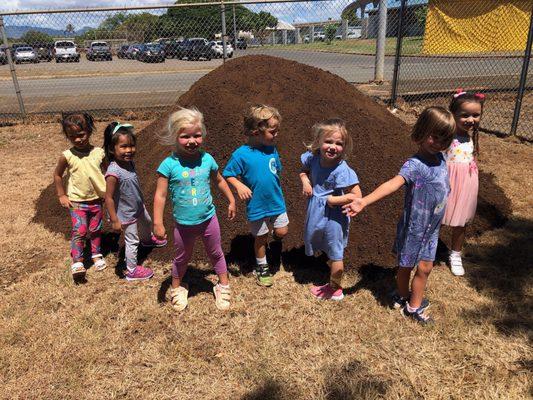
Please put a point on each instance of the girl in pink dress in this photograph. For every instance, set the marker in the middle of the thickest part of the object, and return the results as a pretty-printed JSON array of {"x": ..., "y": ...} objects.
[{"x": 463, "y": 172}]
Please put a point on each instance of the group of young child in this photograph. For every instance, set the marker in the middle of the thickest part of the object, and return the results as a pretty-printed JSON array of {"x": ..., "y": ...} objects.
[{"x": 440, "y": 180}]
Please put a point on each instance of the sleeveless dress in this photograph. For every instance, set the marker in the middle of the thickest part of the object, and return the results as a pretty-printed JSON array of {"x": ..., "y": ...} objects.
[{"x": 464, "y": 182}]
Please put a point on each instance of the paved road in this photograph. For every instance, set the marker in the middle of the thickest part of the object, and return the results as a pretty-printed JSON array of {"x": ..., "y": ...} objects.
[{"x": 125, "y": 87}]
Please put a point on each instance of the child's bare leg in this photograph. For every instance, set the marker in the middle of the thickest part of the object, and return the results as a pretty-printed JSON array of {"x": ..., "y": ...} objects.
[
  {"x": 418, "y": 286},
  {"x": 402, "y": 281},
  {"x": 336, "y": 272},
  {"x": 223, "y": 279},
  {"x": 260, "y": 246},
  {"x": 458, "y": 237},
  {"x": 280, "y": 233}
]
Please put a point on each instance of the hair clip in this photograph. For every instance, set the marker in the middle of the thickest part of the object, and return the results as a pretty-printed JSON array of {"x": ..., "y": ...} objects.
[
  {"x": 119, "y": 126},
  {"x": 479, "y": 96}
]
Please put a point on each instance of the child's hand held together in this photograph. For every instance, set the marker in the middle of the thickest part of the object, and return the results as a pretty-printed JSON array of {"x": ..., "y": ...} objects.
[{"x": 354, "y": 208}]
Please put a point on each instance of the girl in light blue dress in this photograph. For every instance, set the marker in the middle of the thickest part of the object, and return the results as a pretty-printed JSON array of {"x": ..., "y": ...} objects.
[
  {"x": 329, "y": 183},
  {"x": 425, "y": 178}
]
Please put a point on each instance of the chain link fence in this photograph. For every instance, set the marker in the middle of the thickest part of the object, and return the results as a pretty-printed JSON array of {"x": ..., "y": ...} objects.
[
  {"x": 475, "y": 45},
  {"x": 129, "y": 58}
]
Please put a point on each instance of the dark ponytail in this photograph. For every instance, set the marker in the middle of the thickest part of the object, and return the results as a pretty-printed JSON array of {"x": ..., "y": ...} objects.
[{"x": 109, "y": 143}]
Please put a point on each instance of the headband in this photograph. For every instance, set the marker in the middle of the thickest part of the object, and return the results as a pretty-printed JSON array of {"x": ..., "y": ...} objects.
[
  {"x": 461, "y": 92},
  {"x": 119, "y": 126}
]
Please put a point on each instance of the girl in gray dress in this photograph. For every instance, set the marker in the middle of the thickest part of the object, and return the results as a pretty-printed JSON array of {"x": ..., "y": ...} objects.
[
  {"x": 425, "y": 178},
  {"x": 124, "y": 200}
]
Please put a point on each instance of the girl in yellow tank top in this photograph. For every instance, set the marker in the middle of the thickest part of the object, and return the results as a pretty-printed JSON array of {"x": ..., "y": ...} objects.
[{"x": 84, "y": 191}]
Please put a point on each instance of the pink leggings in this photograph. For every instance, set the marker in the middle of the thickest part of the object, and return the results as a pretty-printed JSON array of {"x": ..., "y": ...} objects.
[
  {"x": 184, "y": 238},
  {"x": 86, "y": 221}
]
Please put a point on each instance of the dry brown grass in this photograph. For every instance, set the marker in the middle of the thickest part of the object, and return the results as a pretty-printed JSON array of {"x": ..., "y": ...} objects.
[{"x": 113, "y": 339}]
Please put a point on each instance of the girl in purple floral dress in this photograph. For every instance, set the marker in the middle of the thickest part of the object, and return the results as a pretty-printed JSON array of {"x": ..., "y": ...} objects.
[{"x": 425, "y": 178}]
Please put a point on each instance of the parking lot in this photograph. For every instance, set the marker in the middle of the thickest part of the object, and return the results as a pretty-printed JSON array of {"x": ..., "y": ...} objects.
[{"x": 125, "y": 83}]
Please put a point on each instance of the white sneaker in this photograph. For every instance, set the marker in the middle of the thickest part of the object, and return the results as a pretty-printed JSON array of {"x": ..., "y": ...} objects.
[{"x": 456, "y": 265}]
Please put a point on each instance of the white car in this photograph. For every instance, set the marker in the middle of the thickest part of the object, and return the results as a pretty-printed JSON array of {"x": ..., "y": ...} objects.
[
  {"x": 23, "y": 54},
  {"x": 65, "y": 50},
  {"x": 218, "y": 49}
]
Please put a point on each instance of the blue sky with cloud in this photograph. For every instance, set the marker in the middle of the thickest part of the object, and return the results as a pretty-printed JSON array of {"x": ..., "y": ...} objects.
[{"x": 289, "y": 12}]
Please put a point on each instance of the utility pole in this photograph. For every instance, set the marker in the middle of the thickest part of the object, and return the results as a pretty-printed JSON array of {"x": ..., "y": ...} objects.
[{"x": 380, "y": 41}]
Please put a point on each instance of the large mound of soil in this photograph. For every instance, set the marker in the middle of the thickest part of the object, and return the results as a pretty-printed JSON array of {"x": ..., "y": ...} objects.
[{"x": 304, "y": 95}]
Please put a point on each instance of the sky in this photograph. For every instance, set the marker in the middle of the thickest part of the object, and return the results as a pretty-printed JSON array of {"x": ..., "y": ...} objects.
[{"x": 310, "y": 11}]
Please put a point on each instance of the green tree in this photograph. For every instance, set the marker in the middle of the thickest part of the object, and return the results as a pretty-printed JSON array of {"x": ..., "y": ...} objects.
[
  {"x": 141, "y": 27},
  {"x": 69, "y": 29},
  {"x": 352, "y": 18},
  {"x": 330, "y": 31},
  {"x": 421, "y": 14},
  {"x": 36, "y": 38},
  {"x": 114, "y": 22},
  {"x": 206, "y": 21}
]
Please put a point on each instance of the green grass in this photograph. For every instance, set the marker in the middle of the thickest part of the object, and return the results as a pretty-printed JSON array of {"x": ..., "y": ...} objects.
[{"x": 411, "y": 46}]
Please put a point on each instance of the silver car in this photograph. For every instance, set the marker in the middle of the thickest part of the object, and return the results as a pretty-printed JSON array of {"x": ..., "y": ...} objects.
[{"x": 23, "y": 54}]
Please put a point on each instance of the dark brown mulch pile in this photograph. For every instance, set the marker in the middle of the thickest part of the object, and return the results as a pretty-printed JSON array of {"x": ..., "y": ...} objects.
[{"x": 304, "y": 95}]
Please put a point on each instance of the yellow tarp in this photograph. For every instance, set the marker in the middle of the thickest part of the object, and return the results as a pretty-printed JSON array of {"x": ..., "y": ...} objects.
[{"x": 476, "y": 26}]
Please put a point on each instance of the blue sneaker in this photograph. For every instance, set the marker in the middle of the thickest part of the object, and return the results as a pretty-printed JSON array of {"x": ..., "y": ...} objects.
[
  {"x": 399, "y": 302},
  {"x": 418, "y": 315}
]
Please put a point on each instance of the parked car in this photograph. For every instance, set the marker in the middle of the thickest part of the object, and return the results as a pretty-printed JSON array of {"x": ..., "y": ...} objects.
[
  {"x": 132, "y": 51},
  {"x": 99, "y": 51},
  {"x": 25, "y": 54},
  {"x": 3, "y": 56},
  {"x": 65, "y": 50},
  {"x": 194, "y": 49},
  {"x": 121, "y": 53},
  {"x": 218, "y": 49},
  {"x": 171, "y": 48},
  {"x": 317, "y": 37},
  {"x": 15, "y": 46},
  {"x": 44, "y": 52},
  {"x": 151, "y": 53},
  {"x": 241, "y": 44}
]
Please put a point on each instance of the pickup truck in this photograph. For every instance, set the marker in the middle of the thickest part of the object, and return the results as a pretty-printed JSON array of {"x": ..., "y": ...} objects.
[
  {"x": 65, "y": 50},
  {"x": 99, "y": 51}
]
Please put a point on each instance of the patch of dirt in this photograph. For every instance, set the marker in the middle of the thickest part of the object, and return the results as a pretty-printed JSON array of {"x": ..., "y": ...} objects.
[{"x": 304, "y": 95}]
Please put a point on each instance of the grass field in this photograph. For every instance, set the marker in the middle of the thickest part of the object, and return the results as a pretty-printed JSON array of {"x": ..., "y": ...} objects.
[
  {"x": 110, "y": 339},
  {"x": 411, "y": 46}
]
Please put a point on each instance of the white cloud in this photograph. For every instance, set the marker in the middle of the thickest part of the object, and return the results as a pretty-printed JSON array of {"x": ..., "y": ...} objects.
[{"x": 18, "y": 5}]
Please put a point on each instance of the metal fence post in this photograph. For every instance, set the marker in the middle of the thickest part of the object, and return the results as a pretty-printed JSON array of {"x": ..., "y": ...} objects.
[
  {"x": 224, "y": 50},
  {"x": 380, "y": 41},
  {"x": 397, "y": 57},
  {"x": 234, "y": 30},
  {"x": 523, "y": 77},
  {"x": 13, "y": 72}
]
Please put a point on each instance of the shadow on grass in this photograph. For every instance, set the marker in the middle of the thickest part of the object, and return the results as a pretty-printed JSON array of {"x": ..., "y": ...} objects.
[
  {"x": 194, "y": 277},
  {"x": 270, "y": 389},
  {"x": 503, "y": 272},
  {"x": 349, "y": 381},
  {"x": 353, "y": 381}
]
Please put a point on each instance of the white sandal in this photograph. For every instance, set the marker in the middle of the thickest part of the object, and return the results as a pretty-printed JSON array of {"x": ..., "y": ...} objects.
[
  {"x": 178, "y": 298},
  {"x": 77, "y": 269},
  {"x": 456, "y": 265},
  {"x": 222, "y": 297},
  {"x": 99, "y": 265}
]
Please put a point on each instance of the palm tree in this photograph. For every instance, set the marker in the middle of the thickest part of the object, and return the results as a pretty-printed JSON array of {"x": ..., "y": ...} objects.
[{"x": 69, "y": 29}]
